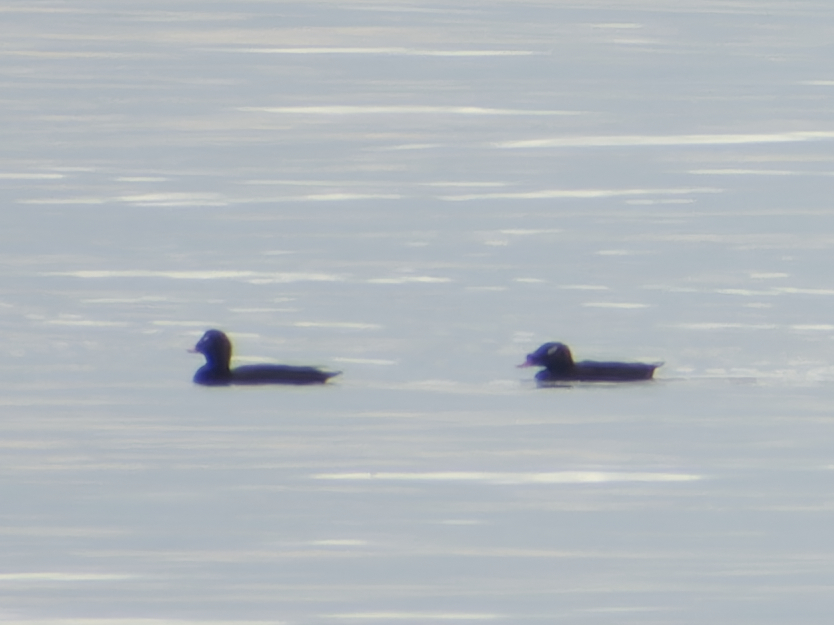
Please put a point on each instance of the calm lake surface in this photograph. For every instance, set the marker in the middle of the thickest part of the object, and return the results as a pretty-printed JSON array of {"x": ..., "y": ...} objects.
[{"x": 417, "y": 194}]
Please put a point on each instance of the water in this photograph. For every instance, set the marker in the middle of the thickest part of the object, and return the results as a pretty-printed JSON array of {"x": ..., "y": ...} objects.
[{"x": 418, "y": 195}]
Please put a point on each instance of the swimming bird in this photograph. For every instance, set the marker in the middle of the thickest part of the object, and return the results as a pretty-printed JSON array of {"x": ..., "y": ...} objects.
[
  {"x": 559, "y": 366},
  {"x": 217, "y": 348}
]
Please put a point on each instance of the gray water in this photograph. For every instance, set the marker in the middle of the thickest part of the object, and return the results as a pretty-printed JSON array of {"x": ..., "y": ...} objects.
[{"x": 418, "y": 195}]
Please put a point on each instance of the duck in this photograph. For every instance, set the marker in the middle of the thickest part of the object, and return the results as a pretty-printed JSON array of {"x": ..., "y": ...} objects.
[
  {"x": 217, "y": 348},
  {"x": 557, "y": 360}
]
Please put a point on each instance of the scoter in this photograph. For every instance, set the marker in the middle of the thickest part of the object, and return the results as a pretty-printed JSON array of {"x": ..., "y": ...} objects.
[
  {"x": 217, "y": 348},
  {"x": 559, "y": 367}
]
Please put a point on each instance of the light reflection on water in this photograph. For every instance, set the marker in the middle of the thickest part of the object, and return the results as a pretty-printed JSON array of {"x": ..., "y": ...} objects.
[
  {"x": 418, "y": 196},
  {"x": 671, "y": 140},
  {"x": 564, "y": 477}
]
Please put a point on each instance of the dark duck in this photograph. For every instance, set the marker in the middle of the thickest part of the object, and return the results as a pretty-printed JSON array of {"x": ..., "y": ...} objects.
[
  {"x": 559, "y": 367},
  {"x": 217, "y": 348}
]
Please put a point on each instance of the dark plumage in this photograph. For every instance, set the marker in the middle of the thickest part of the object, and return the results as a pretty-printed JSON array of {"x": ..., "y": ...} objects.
[
  {"x": 217, "y": 348},
  {"x": 559, "y": 366}
]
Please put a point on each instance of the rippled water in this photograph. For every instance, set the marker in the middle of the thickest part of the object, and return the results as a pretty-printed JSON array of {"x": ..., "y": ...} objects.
[{"x": 417, "y": 194}]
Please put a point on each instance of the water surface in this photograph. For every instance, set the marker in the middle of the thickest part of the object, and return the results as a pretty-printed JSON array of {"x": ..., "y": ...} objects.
[{"x": 416, "y": 194}]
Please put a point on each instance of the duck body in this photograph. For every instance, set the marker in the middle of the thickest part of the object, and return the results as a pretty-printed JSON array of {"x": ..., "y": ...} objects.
[
  {"x": 559, "y": 366},
  {"x": 217, "y": 348}
]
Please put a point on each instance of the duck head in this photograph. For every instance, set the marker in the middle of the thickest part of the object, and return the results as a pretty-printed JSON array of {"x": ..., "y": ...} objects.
[
  {"x": 217, "y": 348},
  {"x": 554, "y": 356}
]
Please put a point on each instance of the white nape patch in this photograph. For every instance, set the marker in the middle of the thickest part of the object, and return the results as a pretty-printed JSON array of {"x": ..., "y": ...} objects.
[{"x": 556, "y": 477}]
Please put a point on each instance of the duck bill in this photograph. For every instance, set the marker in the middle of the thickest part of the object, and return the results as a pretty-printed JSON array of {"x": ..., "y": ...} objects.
[{"x": 526, "y": 363}]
